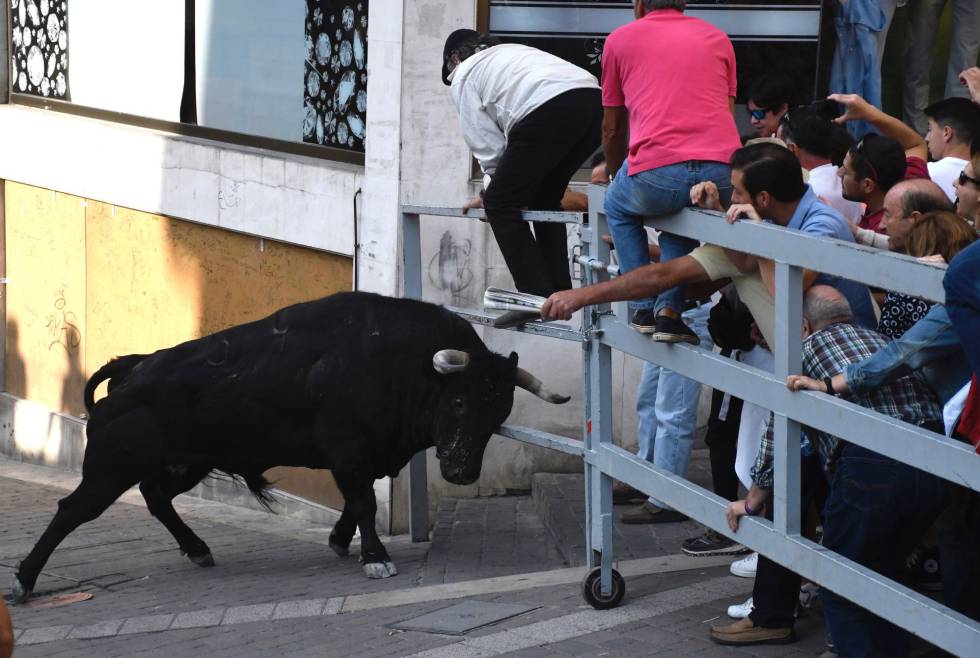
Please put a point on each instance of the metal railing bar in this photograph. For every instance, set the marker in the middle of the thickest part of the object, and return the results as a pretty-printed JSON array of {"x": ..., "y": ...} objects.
[
  {"x": 875, "y": 267},
  {"x": 597, "y": 265},
  {"x": 558, "y": 216},
  {"x": 935, "y": 623},
  {"x": 549, "y": 329},
  {"x": 888, "y": 436},
  {"x": 542, "y": 439}
]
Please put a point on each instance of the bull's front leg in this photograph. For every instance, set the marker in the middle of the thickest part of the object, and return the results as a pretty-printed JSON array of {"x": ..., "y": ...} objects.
[{"x": 362, "y": 506}]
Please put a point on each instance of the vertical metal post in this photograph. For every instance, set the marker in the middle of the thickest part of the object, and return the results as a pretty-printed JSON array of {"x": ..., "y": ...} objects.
[
  {"x": 600, "y": 410},
  {"x": 789, "y": 335},
  {"x": 418, "y": 480},
  {"x": 587, "y": 346}
]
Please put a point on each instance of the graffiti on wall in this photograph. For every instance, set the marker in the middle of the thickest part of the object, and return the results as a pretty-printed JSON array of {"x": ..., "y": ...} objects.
[
  {"x": 335, "y": 94},
  {"x": 39, "y": 47},
  {"x": 450, "y": 268}
]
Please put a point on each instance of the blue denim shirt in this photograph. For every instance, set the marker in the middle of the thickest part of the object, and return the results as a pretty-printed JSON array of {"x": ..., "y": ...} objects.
[
  {"x": 930, "y": 345},
  {"x": 814, "y": 217},
  {"x": 855, "y": 65}
]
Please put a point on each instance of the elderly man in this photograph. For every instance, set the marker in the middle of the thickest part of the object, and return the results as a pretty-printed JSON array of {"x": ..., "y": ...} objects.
[
  {"x": 869, "y": 516},
  {"x": 904, "y": 204},
  {"x": 531, "y": 119}
]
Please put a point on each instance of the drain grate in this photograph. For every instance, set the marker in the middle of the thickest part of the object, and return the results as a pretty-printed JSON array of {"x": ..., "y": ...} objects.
[{"x": 462, "y": 618}]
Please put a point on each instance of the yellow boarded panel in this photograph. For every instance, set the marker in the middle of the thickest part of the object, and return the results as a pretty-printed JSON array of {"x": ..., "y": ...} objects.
[
  {"x": 45, "y": 352},
  {"x": 154, "y": 282}
]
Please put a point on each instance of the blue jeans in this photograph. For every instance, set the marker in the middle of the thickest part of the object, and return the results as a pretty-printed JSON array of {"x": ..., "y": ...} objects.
[
  {"x": 661, "y": 191},
  {"x": 877, "y": 510},
  {"x": 962, "y": 284},
  {"x": 667, "y": 404}
]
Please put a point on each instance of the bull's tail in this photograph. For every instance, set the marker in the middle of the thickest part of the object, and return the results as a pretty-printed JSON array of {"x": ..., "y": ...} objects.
[
  {"x": 255, "y": 481},
  {"x": 260, "y": 487},
  {"x": 116, "y": 370}
]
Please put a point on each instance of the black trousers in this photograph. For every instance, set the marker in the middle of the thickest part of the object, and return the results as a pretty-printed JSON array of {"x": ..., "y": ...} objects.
[
  {"x": 722, "y": 441},
  {"x": 777, "y": 589},
  {"x": 543, "y": 151}
]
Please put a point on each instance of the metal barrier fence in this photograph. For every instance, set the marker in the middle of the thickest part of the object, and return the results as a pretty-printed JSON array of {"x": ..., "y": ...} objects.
[{"x": 603, "y": 329}]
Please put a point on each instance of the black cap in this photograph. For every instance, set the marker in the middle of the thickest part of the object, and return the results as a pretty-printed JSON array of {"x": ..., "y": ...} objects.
[{"x": 453, "y": 42}]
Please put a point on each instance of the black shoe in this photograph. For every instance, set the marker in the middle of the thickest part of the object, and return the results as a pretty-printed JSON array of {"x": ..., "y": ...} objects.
[
  {"x": 515, "y": 318},
  {"x": 712, "y": 543},
  {"x": 673, "y": 330},
  {"x": 644, "y": 321},
  {"x": 922, "y": 569}
]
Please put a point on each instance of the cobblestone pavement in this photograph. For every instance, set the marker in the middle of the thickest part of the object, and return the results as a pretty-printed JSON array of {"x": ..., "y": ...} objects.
[
  {"x": 559, "y": 500},
  {"x": 278, "y": 590}
]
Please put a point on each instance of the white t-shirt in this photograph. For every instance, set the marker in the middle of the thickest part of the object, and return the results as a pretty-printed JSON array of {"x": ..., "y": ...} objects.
[
  {"x": 944, "y": 172},
  {"x": 826, "y": 185},
  {"x": 497, "y": 87}
]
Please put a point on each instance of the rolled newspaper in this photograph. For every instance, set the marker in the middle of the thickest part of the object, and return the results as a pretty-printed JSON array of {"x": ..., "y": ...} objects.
[{"x": 511, "y": 300}]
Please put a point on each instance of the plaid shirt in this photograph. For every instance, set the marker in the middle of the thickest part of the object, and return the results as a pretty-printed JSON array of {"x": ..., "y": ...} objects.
[{"x": 825, "y": 354}]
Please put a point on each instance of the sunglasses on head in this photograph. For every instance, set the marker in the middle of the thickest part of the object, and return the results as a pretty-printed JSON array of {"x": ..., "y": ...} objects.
[
  {"x": 964, "y": 179},
  {"x": 859, "y": 150},
  {"x": 759, "y": 114}
]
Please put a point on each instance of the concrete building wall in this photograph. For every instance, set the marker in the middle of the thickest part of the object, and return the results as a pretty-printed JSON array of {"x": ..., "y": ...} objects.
[
  {"x": 460, "y": 259},
  {"x": 414, "y": 154}
]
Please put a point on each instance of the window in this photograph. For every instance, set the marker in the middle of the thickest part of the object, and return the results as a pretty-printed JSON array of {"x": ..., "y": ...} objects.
[
  {"x": 766, "y": 34},
  {"x": 278, "y": 74}
]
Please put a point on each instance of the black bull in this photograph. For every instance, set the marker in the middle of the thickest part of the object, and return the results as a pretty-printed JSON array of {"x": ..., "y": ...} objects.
[{"x": 355, "y": 382}]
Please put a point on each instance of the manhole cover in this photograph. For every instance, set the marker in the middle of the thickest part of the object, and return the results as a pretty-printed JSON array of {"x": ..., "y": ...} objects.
[
  {"x": 463, "y": 617},
  {"x": 58, "y": 600}
]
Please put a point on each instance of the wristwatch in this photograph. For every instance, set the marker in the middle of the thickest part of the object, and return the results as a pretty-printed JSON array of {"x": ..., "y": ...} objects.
[
  {"x": 829, "y": 383},
  {"x": 749, "y": 511}
]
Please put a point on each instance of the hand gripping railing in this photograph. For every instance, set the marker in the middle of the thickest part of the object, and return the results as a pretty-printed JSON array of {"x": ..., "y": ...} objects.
[{"x": 780, "y": 540}]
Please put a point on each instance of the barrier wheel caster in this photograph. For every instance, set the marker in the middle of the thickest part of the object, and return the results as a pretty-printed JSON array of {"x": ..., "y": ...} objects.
[{"x": 592, "y": 590}]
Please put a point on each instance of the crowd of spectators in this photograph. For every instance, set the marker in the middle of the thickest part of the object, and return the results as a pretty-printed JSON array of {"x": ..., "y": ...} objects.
[{"x": 837, "y": 168}]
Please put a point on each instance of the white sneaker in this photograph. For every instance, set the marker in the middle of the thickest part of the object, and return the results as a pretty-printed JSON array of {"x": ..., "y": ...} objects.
[
  {"x": 745, "y": 568},
  {"x": 740, "y": 610}
]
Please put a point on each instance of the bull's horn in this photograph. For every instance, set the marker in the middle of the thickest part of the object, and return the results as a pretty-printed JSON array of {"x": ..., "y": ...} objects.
[
  {"x": 529, "y": 382},
  {"x": 448, "y": 361}
]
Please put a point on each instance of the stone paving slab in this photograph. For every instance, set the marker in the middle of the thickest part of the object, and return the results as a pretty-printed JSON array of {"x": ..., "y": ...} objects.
[
  {"x": 277, "y": 590},
  {"x": 559, "y": 500}
]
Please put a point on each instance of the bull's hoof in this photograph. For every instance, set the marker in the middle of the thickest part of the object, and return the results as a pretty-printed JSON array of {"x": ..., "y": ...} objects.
[
  {"x": 342, "y": 551},
  {"x": 380, "y": 569},
  {"x": 18, "y": 593},
  {"x": 204, "y": 560}
]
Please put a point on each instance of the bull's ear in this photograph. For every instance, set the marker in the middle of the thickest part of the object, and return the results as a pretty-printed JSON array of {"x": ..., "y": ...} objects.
[
  {"x": 513, "y": 358},
  {"x": 450, "y": 361}
]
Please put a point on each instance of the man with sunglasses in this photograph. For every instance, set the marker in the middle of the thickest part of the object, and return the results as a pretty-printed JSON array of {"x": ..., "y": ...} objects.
[
  {"x": 769, "y": 100},
  {"x": 968, "y": 192},
  {"x": 967, "y": 186},
  {"x": 871, "y": 167}
]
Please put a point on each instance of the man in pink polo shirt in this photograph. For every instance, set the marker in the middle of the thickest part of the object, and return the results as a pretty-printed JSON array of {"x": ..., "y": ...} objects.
[{"x": 671, "y": 78}]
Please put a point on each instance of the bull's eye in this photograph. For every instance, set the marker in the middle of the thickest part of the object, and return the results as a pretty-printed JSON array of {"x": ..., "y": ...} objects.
[{"x": 459, "y": 406}]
